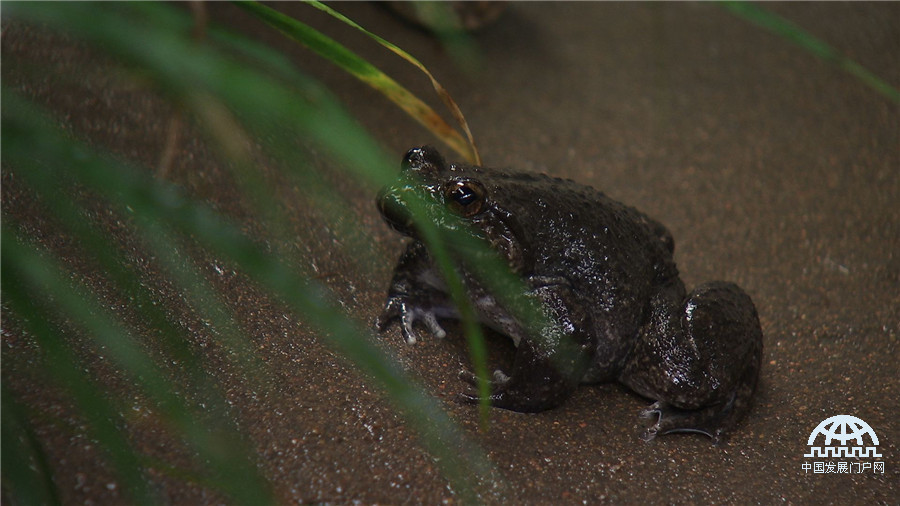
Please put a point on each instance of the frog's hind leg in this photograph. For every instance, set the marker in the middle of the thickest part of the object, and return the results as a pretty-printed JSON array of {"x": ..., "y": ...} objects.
[
  {"x": 713, "y": 420},
  {"x": 699, "y": 357}
]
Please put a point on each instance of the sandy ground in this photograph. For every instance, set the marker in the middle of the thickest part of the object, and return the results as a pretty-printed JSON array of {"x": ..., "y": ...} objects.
[{"x": 771, "y": 168}]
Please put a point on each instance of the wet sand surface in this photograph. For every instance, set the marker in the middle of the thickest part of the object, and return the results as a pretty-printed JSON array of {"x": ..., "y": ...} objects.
[{"x": 771, "y": 168}]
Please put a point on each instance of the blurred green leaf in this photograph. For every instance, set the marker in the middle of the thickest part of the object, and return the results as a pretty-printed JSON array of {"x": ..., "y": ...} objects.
[
  {"x": 31, "y": 144},
  {"x": 773, "y": 22},
  {"x": 27, "y": 277}
]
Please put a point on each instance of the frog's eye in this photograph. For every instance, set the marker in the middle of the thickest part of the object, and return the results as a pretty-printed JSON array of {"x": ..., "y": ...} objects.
[{"x": 466, "y": 198}]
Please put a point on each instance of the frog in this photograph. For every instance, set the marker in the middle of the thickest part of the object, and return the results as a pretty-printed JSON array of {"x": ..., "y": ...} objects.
[{"x": 603, "y": 273}]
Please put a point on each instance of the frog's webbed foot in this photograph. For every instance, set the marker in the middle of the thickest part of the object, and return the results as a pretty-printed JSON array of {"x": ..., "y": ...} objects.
[
  {"x": 497, "y": 385},
  {"x": 500, "y": 378},
  {"x": 415, "y": 297},
  {"x": 399, "y": 309},
  {"x": 549, "y": 363},
  {"x": 508, "y": 392},
  {"x": 671, "y": 420}
]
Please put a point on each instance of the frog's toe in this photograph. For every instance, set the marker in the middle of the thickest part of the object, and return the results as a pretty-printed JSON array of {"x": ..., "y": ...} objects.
[
  {"x": 498, "y": 397},
  {"x": 468, "y": 376},
  {"x": 409, "y": 333},
  {"x": 649, "y": 434},
  {"x": 390, "y": 314},
  {"x": 427, "y": 318},
  {"x": 469, "y": 397},
  {"x": 651, "y": 411},
  {"x": 431, "y": 323}
]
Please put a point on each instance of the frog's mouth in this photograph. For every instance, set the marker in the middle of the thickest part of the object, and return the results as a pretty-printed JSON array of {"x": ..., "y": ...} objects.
[
  {"x": 395, "y": 211},
  {"x": 396, "y": 208}
]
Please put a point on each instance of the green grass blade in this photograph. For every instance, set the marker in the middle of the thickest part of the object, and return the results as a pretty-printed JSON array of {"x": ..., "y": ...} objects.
[
  {"x": 23, "y": 271},
  {"x": 26, "y": 473},
  {"x": 472, "y": 156},
  {"x": 817, "y": 47},
  {"x": 366, "y": 72}
]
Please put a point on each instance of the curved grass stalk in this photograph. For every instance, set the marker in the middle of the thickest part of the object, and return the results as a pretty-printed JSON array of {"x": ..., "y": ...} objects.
[{"x": 374, "y": 77}]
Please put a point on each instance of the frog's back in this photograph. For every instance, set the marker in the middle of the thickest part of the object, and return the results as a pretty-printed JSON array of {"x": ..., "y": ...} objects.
[{"x": 575, "y": 229}]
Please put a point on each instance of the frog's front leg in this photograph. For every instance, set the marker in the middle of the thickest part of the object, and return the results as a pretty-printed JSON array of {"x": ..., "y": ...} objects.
[
  {"x": 416, "y": 295},
  {"x": 698, "y": 357},
  {"x": 550, "y": 361}
]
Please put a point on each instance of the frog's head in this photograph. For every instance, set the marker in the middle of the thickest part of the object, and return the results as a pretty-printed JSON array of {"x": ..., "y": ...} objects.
[{"x": 453, "y": 197}]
